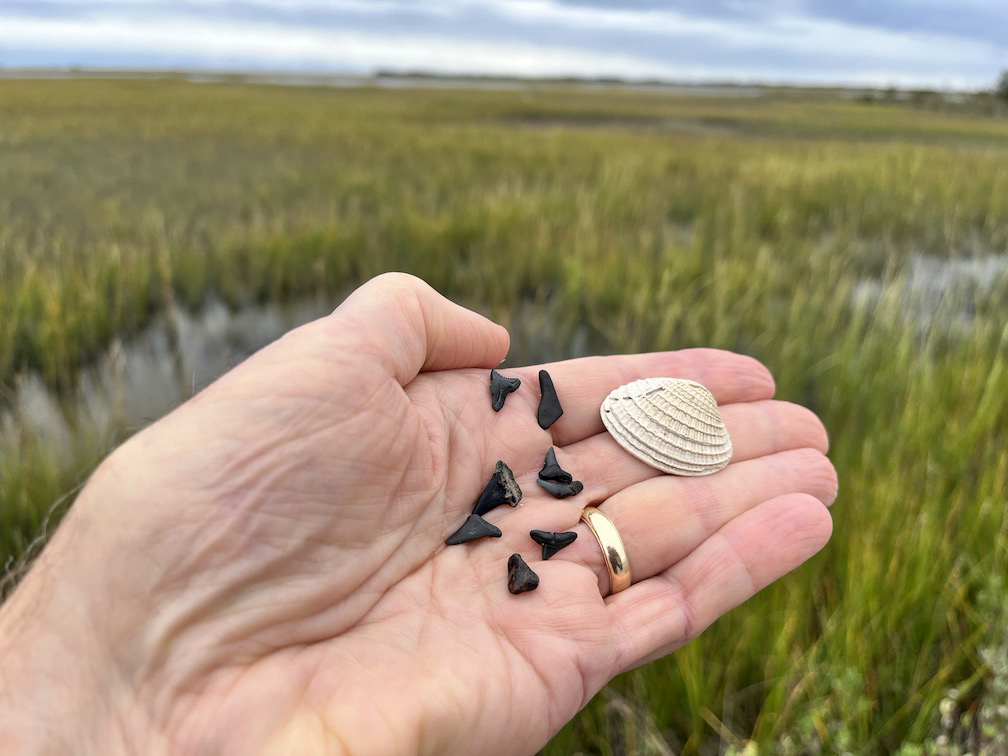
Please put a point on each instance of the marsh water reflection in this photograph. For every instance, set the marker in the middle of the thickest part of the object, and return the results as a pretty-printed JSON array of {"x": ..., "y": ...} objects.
[{"x": 142, "y": 378}]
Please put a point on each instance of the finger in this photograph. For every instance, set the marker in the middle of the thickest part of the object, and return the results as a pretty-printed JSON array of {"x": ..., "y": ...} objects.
[
  {"x": 582, "y": 384},
  {"x": 604, "y": 468},
  {"x": 755, "y": 429},
  {"x": 657, "y": 616},
  {"x": 663, "y": 519},
  {"x": 407, "y": 327}
]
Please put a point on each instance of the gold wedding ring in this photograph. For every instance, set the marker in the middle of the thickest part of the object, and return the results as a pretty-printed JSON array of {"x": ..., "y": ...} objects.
[{"x": 613, "y": 552}]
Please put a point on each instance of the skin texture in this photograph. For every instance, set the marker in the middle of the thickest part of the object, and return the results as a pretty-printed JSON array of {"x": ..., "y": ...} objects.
[{"x": 264, "y": 569}]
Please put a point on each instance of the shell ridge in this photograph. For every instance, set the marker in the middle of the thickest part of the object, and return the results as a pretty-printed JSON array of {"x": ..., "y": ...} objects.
[
  {"x": 642, "y": 440},
  {"x": 668, "y": 423},
  {"x": 686, "y": 440},
  {"x": 677, "y": 418}
]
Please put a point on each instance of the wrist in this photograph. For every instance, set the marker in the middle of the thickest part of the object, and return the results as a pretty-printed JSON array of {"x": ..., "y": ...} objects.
[{"x": 62, "y": 688}]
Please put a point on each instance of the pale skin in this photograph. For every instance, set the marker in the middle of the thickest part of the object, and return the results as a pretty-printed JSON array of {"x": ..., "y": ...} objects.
[{"x": 264, "y": 569}]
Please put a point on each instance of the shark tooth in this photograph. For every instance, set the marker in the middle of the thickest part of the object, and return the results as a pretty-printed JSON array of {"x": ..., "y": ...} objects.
[
  {"x": 549, "y": 405},
  {"x": 473, "y": 528},
  {"x": 561, "y": 490},
  {"x": 500, "y": 387},
  {"x": 552, "y": 542},
  {"x": 520, "y": 576},
  {"x": 502, "y": 489},
  {"x": 552, "y": 471}
]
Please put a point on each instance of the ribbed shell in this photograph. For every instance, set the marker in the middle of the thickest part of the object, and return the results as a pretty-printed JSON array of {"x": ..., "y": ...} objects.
[{"x": 668, "y": 423}]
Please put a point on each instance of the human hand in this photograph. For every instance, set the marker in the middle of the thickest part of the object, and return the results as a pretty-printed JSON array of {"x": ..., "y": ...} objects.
[{"x": 264, "y": 569}]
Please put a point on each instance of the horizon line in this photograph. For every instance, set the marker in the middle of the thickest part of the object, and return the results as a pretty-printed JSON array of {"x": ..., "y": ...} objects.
[{"x": 84, "y": 71}]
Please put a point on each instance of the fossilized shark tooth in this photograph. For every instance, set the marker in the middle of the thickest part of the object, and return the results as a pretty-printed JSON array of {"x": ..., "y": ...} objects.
[
  {"x": 475, "y": 527},
  {"x": 671, "y": 424},
  {"x": 549, "y": 404},
  {"x": 502, "y": 489},
  {"x": 552, "y": 470},
  {"x": 521, "y": 578},
  {"x": 500, "y": 387},
  {"x": 552, "y": 542},
  {"x": 561, "y": 490}
]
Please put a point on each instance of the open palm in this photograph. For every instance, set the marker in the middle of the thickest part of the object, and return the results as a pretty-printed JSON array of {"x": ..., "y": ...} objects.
[{"x": 282, "y": 538}]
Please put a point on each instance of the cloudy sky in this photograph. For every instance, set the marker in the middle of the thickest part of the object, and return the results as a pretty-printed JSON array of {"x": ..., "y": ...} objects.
[{"x": 936, "y": 43}]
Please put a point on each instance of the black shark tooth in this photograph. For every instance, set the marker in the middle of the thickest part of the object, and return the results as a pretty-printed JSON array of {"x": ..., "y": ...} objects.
[
  {"x": 561, "y": 490},
  {"x": 474, "y": 527},
  {"x": 502, "y": 489},
  {"x": 552, "y": 542},
  {"x": 549, "y": 405},
  {"x": 500, "y": 387},
  {"x": 552, "y": 471},
  {"x": 520, "y": 576}
]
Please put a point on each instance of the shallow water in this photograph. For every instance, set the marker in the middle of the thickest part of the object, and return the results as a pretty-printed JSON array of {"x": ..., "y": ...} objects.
[
  {"x": 140, "y": 379},
  {"x": 937, "y": 294}
]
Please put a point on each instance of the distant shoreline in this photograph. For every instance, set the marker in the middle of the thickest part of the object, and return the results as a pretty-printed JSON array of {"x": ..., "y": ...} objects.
[{"x": 423, "y": 80}]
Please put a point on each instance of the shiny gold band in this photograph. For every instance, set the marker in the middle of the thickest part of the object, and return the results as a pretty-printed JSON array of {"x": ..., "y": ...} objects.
[{"x": 613, "y": 553}]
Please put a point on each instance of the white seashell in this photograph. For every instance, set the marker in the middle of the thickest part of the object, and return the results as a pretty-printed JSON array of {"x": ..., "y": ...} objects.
[{"x": 669, "y": 423}]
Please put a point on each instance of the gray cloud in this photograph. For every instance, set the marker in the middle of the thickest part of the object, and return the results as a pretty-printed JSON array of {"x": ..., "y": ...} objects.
[
  {"x": 899, "y": 42},
  {"x": 980, "y": 21}
]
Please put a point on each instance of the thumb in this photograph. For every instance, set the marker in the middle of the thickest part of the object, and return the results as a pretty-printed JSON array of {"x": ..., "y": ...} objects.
[{"x": 409, "y": 328}]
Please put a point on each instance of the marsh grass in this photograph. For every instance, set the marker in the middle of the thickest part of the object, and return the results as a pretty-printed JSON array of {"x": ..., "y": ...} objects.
[{"x": 639, "y": 221}]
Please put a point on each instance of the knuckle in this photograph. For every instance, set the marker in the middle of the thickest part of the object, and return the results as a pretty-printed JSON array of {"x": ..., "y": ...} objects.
[{"x": 398, "y": 283}]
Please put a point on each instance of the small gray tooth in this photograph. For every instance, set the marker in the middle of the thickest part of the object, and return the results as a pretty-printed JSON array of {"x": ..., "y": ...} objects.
[
  {"x": 502, "y": 489},
  {"x": 561, "y": 490},
  {"x": 552, "y": 542},
  {"x": 473, "y": 528},
  {"x": 552, "y": 470},
  {"x": 549, "y": 405},
  {"x": 500, "y": 387},
  {"x": 520, "y": 576}
]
